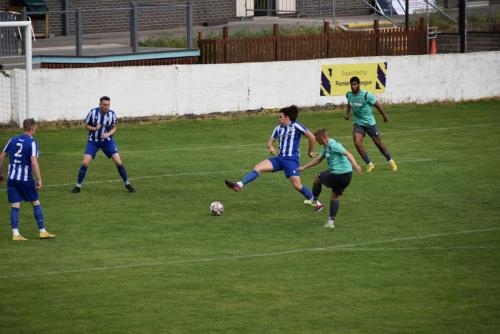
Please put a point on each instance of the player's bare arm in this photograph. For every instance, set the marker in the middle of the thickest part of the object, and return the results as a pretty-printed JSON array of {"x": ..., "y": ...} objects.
[
  {"x": 110, "y": 133},
  {"x": 353, "y": 162},
  {"x": 312, "y": 141},
  {"x": 93, "y": 128},
  {"x": 2, "y": 158},
  {"x": 270, "y": 145},
  {"x": 381, "y": 111},
  {"x": 347, "y": 112},
  {"x": 311, "y": 163},
  {"x": 36, "y": 171}
]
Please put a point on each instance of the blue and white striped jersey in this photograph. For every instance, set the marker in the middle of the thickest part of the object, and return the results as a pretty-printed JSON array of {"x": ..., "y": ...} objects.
[
  {"x": 21, "y": 149},
  {"x": 107, "y": 121},
  {"x": 289, "y": 139}
]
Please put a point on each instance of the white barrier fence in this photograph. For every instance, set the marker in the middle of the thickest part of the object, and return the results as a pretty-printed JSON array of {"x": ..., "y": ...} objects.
[{"x": 68, "y": 94}]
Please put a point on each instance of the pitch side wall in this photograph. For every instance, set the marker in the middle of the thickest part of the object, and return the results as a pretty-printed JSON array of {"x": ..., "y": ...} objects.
[{"x": 198, "y": 89}]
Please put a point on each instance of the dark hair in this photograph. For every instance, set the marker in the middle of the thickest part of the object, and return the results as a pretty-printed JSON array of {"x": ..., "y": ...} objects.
[
  {"x": 104, "y": 98},
  {"x": 320, "y": 133},
  {"x": 28, "y": 124},
  {"x": 354, "y": 79},
  {"x": 292, "y": 112}
]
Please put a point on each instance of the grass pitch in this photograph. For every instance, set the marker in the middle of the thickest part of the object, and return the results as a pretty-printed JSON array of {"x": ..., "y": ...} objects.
[{"x": 415, "y": 251}]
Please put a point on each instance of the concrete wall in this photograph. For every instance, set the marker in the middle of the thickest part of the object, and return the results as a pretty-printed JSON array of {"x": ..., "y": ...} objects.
[
  {"x": 68, "y": 94},
  {"x": 198, "y": 89}
]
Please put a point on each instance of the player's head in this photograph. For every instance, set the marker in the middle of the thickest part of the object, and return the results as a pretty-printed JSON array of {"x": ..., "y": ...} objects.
[
  {"x": 321, "y": 136},
  {"x": 288, "y": 114},
  {"x": 354, "y": 84},
  {"x": 29, "y": 126},
  {"x": 104, "y": 103}
]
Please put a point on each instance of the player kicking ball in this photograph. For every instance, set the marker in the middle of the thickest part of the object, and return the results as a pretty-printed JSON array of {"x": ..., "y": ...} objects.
[
  {"x": 337, "y": 176},
  {"x": 288, "y": 132},
  {"x": 21, "y": 187},
  {"x": 361, "y": 103},
  {"x": 101, "y": 123}
]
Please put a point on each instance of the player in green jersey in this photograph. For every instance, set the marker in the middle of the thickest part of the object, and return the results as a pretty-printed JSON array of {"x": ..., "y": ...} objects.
[
  {"x": 337, "y": 176},
  {"x": 361, "y": 103}
]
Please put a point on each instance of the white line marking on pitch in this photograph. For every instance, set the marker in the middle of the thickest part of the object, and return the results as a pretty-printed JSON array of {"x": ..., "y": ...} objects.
[
  {"x": 248, "y": 256},
  {"x": 383, "y": 249},
  {"x": 192, "y": 174}
]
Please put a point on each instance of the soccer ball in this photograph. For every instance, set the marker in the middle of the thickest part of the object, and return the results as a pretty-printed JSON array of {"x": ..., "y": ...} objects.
[{"x": 216, "y": 208}]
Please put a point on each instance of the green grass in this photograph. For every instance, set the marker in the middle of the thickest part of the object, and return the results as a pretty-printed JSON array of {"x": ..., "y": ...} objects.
[{"x": 415, "y": 251}]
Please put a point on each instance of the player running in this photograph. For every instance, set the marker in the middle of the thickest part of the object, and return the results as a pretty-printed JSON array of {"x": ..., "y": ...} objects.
[
  {"x": 361, "y": 103},
  {"x": 288, "y": 132},
  {"x": 337, "y": 176},
  {"x": 101, "y": 123},
  {"x": 21, "y": 187}
]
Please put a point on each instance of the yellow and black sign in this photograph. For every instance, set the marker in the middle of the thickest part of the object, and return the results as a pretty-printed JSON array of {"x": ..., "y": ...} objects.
[{"x": 335, "y": 78}]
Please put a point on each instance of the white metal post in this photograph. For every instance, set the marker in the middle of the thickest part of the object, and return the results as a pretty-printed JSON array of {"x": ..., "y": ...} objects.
[{"x": 29, "y": 60}]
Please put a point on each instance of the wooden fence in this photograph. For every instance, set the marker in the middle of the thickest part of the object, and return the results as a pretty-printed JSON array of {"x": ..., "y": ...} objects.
[{"x": 376, "y": 42}]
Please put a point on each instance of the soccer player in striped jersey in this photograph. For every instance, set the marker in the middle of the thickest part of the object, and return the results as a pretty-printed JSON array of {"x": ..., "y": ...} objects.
[
  {"x": 101, "y": 123},
  {"x": 361, "y": 103},
  {"x": 337, "y": 176},
  {"x": 288, "y": 132},
  {"x": 21, "y": 187}
]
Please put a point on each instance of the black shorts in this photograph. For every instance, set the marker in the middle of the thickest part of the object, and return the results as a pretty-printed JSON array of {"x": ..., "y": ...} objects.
[
  {"x": 364, "y": 129},
  {"x": 337, "y": 182}
]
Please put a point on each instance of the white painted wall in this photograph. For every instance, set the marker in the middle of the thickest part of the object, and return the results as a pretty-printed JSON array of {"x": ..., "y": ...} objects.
[
  {"x": 198, "y": 89},
  {"x": 242, "y": 6},
  {"x": 5, "y": 98}
]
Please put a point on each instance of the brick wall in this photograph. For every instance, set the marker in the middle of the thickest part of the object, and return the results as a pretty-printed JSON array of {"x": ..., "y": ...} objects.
[
  {"x": 211, "y": 11},
  {"x": 450, "y": 43},
  {"x": 100, "y": 20}
]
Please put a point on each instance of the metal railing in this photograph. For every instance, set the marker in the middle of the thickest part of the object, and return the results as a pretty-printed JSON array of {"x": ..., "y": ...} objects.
[
  {"x": 9, "y": 36},
  {"x": 134, "y": 11},
  {"x": 321, "y": 8}
]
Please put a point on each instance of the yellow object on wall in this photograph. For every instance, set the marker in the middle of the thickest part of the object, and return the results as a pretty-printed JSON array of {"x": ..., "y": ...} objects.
[{"x": 335, "y": 78}]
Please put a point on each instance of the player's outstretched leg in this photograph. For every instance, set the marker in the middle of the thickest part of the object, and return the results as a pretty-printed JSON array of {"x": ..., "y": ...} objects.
[
  {"x": 385, "y": 152},
  {"x": 358, "y": 142},
  {"x": 14, "y": 222},
  {"x": 237, "y": 186},
  {"x": 38, "y": 213},
  {"x": 263, "y": 166},
  {"x": 316, "y": 191}
]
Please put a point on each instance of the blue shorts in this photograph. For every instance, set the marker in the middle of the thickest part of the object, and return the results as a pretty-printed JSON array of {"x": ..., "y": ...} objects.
[
  {"x": 20, "y": 191},
  {"x": 372, "y": 130},
  {"x": 108, "y": 147},
  {"x": 288, "y": 165}
]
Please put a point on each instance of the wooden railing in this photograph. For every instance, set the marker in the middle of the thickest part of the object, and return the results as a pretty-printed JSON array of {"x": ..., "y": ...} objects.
[{"x": 376, "y": 42}]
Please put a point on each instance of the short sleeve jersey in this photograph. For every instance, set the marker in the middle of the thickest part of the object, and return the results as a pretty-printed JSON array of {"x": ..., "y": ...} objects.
[
  {"x": 20, "y": 150},
  {"x": 361, "y": 105},
  {"x": 338, "y": 163},
  {"x": 107, "y": 122},
  {"x": 289, "y": 139}
]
